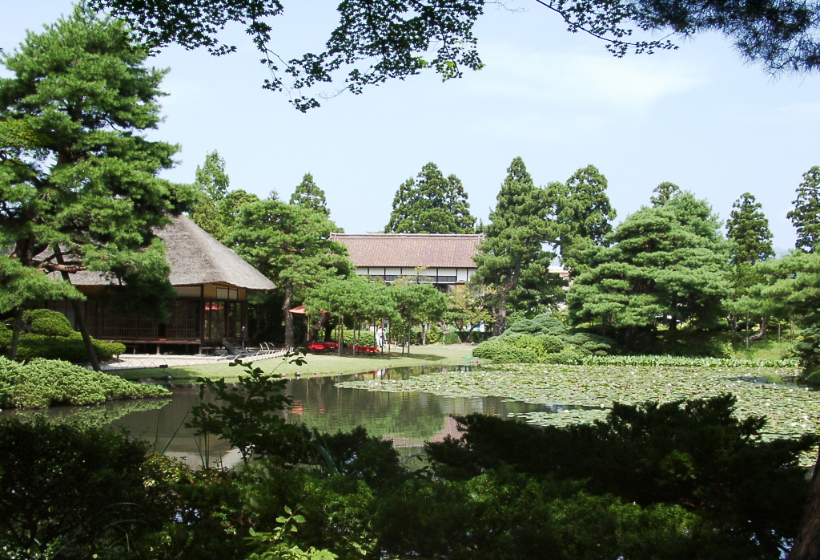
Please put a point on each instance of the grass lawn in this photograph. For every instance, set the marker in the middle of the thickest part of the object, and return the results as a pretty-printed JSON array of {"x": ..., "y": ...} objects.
[{"x": 453, "y": 354}]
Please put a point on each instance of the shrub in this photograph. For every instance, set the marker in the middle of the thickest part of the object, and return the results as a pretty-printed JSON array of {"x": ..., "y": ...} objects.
[
  {"x": 48, "y": 322},
  {"x": 41, "y": 383},
  {"x": 70, "y": 349},
  {"x": 542, "y": 324},
  {"x": 807, "y": 350},
  {"x": 451, "y": 338}
]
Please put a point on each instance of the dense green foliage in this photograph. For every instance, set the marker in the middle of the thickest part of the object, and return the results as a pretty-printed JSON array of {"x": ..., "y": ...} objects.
[
  {"x": 431, "y": 203},
  {"x": 42, "y": 383},
  {"x": 291, "y": 245},
  {"x": 805, "y": 215},
  {"x": 583, "y": 213},
  {"x": 749, "y": 231},
  {"x": 807, "y": 349},
  {"x": 512, "y": 262},
  {"x": 665, "y": 265},
  {"x": 52, "y": 337},
  {"x": 212, "y": 183},
  {"x": 680, "y": 480},
  {"x": 85, "y": 192},
  {"x": 694, "y": 455},
  {"x": 308, "y": 194},
  {"x": 542, "y": 339}
]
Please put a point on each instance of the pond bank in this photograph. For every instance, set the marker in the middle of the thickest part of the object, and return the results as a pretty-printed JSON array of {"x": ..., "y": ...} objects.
[{"x": 318, "y": 364}]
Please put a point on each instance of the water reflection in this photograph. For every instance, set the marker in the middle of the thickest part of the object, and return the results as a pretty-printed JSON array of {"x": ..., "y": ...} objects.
[{"x": 408, "y": 419}]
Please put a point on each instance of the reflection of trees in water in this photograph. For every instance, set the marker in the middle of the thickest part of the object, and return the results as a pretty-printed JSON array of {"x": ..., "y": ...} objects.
[{"x": 92, "y": 415}]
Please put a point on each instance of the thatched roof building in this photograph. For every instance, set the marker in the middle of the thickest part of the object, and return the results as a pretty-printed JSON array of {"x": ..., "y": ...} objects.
[{"x": 212, "y": 283}]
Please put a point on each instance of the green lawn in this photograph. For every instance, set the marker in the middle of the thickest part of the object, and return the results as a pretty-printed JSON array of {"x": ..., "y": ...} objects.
[{"x": 455, "y": 354}]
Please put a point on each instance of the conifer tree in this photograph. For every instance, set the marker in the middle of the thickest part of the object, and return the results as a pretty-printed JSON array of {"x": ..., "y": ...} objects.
[
  {"x": 749, "y": 231},
  {"x": 309, "y": 195},
  {"x": 806, "y": 213},
  {"x": 85, "y": 195},
  {"x": 665, "y": 265},
  {"x": 512, "y": 256},
  {"x": 291, "y": 245},
  {"x": 431, "y": 204},
  {"x": 212, "y": 184},
  {"x": 583, "y": 213},
  {"x": 663, "y": 193}
]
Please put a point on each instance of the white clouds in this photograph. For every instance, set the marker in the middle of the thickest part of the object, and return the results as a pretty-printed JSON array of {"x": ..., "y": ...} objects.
[{"x": 582, "y": 80}]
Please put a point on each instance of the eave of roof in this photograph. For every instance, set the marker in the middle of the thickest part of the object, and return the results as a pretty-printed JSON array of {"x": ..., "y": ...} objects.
[{"x": 410, "y": 249}]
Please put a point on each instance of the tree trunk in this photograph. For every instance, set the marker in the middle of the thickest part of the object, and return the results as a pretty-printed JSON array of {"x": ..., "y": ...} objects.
[
  {"x": 340, "y": 336},
  {"x": 319, "y": 325},
  {"x": 500, "y": 316},
  {"x": 409, "y": 334},
  {"x": 15, "y": 333},
  {"x": 732, "y": 323},
  {"x": 761, "y": 334},
  {"x": 79, "y": 318},
  {"x": 288, "y": 315},
  {"x": 807, "y": 544}
]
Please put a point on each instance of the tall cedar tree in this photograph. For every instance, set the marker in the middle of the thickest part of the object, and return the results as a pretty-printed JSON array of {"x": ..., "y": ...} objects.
[
  {"x": 663, "y": 192},
  {"x": 749, "y": 230},
  {"x": 309, "y": 195},
  {"x": 431, "y": 204},
  {"x": 212, "y": 183},
  {"x": 512, "y": 256},
  {"x": 88, "y": 195},
  {"x": 806, "y": 213},
  {"x": 583, "y": 213},
  {"x": 290, "y": 245},
  {"x": 665, "y": 265},
  {"x": 751, "y": 242}
]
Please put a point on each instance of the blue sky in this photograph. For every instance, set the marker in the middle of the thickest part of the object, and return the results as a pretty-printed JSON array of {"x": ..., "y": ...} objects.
[{"x": 700, "y": 117}]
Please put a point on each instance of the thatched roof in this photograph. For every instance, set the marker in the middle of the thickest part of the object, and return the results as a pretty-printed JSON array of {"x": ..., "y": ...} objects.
[
  {"x": 195, "y": 258},
  {"x": 410, "y": 249}
]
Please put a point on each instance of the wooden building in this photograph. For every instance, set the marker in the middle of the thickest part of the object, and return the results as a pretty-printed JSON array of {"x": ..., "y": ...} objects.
[
  {"x": 444, "y": 260},
  {"x": 212, "y": 284}
]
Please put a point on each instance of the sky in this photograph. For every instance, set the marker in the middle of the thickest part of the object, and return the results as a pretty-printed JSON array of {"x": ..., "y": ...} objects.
[{"x": 700, "y": 117}]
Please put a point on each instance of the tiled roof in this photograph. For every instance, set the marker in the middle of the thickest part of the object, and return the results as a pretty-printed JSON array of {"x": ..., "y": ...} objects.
[{"x": 410, "y": 249}]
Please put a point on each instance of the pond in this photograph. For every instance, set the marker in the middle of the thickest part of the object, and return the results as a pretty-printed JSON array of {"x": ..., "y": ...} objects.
[{"x": 408, "y": 419}]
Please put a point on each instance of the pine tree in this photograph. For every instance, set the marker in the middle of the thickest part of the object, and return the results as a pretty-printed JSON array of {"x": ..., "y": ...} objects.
[
  {"x": 431, "y": 204},
  {"x": 806, "y": 213},
  {"x": 512, "y": 258},
  {"x": 86, "y": 195},
  {"x": 665, "y": 265},
  {"x": 291, "y": 245},
  {"x": 212, "y": 183},
  {"x": 663, "y": 193},
  {"x": 583, "y": 213},
  {"x": 748, "y": 229},
  {"x": 309, "y": 195}
]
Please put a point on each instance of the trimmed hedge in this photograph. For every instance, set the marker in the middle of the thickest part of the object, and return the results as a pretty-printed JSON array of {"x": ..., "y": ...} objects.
[
  {"x": 48, "y": 322},
  {"x": 52, "y": 338},
  {"x": 542, "y": 339},
  {"x": 42, "y": 383}
]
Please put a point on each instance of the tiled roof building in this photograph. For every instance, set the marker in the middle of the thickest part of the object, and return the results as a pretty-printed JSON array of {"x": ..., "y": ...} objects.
[{"x": 446, "y": 259}]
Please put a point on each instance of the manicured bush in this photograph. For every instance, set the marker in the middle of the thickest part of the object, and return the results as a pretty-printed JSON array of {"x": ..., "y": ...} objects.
[
  {"x": 48, "y": 322},
  {"x": 70, "y": 349},
  {"x": 42, "y": 383},
  {"x": 451, "y": 338},
  {"x": 547, "y": 339}
]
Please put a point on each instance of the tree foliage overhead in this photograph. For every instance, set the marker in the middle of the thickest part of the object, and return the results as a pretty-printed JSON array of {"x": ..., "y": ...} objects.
[
  {"x": 583, "y": 213},
  {"x": 431, "y": 203},
  {"x": 806, "y": 213},
  {"x": 663, "y": 192},
  {"x": 82, "y": 192},
  {"x": 749, "y": 231},
  {"x": 666, "y": 265},
  {"x": 373, "y": 42},
  {"x": 377, "y": 41},
  {"x": 512, "y": 259},
  {"x": 309, "y": 195}
]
